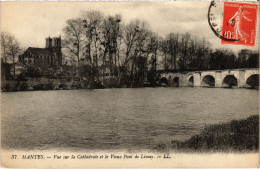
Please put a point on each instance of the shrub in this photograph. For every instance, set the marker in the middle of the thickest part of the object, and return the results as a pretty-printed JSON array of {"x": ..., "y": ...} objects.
[{"x": 237, "y": 135}]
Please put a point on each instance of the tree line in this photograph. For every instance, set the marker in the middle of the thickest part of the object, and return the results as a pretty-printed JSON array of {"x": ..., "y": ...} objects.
[
  {"x": 105, "y": 50},
  {"x": 103, "y": 46}
]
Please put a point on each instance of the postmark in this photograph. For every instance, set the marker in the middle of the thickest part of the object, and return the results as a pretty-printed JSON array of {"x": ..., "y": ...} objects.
[
  {"x": 239, "y": 23},
  {"x": 215, "y": 17}
]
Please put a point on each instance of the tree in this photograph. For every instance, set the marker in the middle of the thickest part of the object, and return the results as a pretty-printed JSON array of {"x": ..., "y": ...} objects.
[
  {"x": 74, "y": 39},
  {"x": 111, "y": 42},
  {"x": 163, "y": 47},
  {"x": 243, "y": 56},
  {"x": 199, "y": 51},
  {"x": 173, "y": 45},
  {"x": 204, "y": 54},
  {"x": 92, "y": 27},
  {"x": 131, "y": 31},
  {"x": 10, "y": 49},
  {"x": 4, "y": 56},
  {"x": 153, "y": 47},
  {"x": 13, "y": 50},
  {"x": 222, "y": 59},
  {"x": 136, "y": 34},
  {"x": 185, "y": 57},
  {"x": 253, "y": 60},
  {"x": 4, "y": 45}
]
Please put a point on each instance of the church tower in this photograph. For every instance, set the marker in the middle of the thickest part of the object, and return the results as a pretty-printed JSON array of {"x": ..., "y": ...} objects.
[
  {"x": 48, "y": 42},
  {"x": 54, "y": 46}
]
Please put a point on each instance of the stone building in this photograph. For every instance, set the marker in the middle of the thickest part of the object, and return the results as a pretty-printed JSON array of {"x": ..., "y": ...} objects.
[{"x": 50, "y": 55}]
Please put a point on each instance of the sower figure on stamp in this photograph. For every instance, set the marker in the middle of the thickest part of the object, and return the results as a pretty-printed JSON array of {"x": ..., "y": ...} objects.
[{"x": 236, "y": 22}]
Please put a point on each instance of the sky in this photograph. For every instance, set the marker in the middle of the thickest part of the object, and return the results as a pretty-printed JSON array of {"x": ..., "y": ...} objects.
[{"x": 32, "y": 22}]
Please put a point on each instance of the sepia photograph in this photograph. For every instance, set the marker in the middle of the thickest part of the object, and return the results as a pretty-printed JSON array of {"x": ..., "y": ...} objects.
[{"x": 129, "y": 84}]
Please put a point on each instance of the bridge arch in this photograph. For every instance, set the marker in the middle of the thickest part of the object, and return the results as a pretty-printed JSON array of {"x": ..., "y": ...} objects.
[
  {"x": 208, "y": 80},
  {"x": 229, "y": 80},
  {"x": 250, "y": 72},
  {"x": 164, "y": 80},
  {"x": 190, "y": 81},
  {"x": 176, "y": 81},
  {"x": 253, "y": 80}
]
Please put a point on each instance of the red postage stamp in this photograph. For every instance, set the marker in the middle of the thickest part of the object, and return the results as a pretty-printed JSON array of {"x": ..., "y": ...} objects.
[{"x": 239, "y": 23}]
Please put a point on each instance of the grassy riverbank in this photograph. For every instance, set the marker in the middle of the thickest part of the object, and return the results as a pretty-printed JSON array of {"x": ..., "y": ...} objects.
[
  {"x": 237, "y": 135},
  {"x": 35, "y": 84}
]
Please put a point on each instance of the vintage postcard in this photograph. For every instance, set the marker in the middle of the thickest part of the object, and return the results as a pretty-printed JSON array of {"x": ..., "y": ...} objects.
[{"x": 149, "y": 84}]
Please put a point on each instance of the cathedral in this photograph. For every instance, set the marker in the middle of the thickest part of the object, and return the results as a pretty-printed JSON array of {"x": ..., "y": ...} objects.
[{"x": 50, "y": 55}]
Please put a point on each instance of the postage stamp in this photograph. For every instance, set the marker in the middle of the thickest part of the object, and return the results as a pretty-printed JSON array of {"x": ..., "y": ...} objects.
[{"x": 239, "y": 23}]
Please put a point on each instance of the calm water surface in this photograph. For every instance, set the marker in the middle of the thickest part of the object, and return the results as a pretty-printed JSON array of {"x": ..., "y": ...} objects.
[{"x": 117, "y": 118}]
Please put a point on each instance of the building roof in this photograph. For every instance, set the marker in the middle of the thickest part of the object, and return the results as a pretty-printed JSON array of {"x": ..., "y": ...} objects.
[{"x": 39, "y": 51}]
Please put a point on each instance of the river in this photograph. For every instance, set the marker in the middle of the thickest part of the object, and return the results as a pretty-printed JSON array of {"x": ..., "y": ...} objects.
[{"x": 104, "y": 119}]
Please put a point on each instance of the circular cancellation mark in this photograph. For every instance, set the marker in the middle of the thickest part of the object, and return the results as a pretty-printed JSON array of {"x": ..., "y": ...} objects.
[{"x": 215, "y": 19}]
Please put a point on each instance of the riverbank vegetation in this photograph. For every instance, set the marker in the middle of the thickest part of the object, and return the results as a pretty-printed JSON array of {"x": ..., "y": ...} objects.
[{"x": 236, "y": 136}]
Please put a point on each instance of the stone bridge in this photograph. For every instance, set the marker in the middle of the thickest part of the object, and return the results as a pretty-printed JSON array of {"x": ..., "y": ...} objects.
[{"x": 213, "y": 78}]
